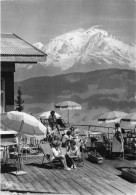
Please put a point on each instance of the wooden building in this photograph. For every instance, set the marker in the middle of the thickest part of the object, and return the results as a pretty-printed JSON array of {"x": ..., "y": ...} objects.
[{"x": 14, "y": 49}]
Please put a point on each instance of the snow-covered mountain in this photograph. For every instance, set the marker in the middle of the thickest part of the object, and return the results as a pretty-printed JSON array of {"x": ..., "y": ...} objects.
[
  {"x": 87, "y": 50},
  {"x": 39, "y": 45}
]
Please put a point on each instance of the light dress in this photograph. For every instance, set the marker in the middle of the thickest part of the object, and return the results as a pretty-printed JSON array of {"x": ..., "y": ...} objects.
[
  {"x": 118, "y": 146},
  {"x": 56, "y": 153}
]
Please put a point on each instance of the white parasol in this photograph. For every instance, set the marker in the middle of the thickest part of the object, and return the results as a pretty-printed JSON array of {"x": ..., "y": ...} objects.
[
  {"x": 23, "y": 123},
  {"x": 68, "y": 105}
]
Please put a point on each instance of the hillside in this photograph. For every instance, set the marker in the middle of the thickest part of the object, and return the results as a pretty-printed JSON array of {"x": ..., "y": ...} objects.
[{"x": 109, "y": 89}]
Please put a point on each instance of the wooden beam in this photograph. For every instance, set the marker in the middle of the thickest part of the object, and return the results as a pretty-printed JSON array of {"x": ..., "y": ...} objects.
[{"x": 23, "y": 59}]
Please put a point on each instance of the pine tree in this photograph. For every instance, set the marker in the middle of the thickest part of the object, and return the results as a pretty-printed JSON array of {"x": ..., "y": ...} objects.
[{"x": 19, "y": 101}]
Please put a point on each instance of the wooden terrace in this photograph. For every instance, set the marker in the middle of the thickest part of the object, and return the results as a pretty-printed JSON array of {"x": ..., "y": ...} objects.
[{"x": 91, "y": 179}]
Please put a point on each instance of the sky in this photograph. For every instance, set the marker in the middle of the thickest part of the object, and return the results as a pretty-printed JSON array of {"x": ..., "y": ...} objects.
[{"x": 43, "y": 20}]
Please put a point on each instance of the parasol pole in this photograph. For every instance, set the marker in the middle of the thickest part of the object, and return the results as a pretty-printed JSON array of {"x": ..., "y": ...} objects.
[
  {"x": 20, "y": 166},
  {"x": 19, "y": 136},
  {"x": 19, "y": 139},
  {"x": 19, "y": 162},
  {"x": 68, "y": 116}
]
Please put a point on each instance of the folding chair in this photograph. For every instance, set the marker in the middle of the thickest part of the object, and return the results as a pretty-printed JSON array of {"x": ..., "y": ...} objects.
[{"x": 48, "y": 154}]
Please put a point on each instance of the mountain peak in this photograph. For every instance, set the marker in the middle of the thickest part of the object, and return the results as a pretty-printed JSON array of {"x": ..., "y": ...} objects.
[
  {"x": 39, "y": 45},
  {"x": 93, "y": 44},
  {"x": 84, "y": 50}
]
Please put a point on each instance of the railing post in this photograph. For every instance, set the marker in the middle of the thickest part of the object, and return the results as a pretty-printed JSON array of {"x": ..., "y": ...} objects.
[{"x": 88, "y": 127}]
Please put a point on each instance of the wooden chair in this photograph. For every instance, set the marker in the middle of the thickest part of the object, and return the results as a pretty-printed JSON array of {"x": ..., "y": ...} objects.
[{"x": 48, "y": 154}]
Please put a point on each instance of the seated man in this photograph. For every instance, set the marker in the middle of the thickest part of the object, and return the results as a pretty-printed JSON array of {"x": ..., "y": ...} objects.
[{"x": 57, "y": 154}]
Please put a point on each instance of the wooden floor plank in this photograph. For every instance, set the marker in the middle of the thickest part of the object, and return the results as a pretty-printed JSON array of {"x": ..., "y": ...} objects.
[
  {"x": 70, "y": 188},
  {"x": 59, "y": 188},
  {"x": 121, "y": 188},
  {"x": 41, "y": 174},
  {"x": 88, "y": 187},
  {"x": 79, "y": 188},
  {"x": 36, "y": 182},
  {"x": 41, "y": 178},
  {"x": 49, "y": 187},
  {"x": 110, "y": 169},
  {"x": 21, "y": 183},
  {"x": 17, "y": 183},
  {"x": 95, "y": 169},
  {"x": 10, "y": 182},
  {"x": 97, "y": 180},
  {"x": 126, "y": 184},
  {"x": 98, "y": 187},
  {"x": 90, "y": 179}
]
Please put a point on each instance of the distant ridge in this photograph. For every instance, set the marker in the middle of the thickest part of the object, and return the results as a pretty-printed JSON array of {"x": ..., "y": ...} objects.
[{"x": 113, "y": 89}]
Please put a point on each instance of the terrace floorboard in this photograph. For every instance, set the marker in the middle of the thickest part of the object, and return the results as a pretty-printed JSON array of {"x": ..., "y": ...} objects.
[{"x": 91, "y": 179}]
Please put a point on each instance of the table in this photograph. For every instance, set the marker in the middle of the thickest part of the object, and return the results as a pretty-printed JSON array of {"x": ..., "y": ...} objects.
[{"x": 6, "y": 145}]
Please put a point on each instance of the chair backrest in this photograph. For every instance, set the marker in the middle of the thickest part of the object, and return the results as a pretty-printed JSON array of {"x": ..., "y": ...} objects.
[{"x": 46, "y": 149}]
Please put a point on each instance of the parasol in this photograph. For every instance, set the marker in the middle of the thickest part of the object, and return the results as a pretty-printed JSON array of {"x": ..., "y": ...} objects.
[
  {"x": 23, "y": 123},
  {"x": 68, "y": 105},
  {"x": 110, "y": 117}
]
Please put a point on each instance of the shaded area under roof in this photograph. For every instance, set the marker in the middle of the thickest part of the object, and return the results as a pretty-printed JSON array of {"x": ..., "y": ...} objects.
[{"x": 14, "y": 48}]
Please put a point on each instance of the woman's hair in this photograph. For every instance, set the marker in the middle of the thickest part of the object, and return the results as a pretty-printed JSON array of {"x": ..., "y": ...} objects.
[
  {"x": 52, "y": 112},
  {"x": 68, "y": 132},
  {"x": 117, "y": 125},
  {"x": 72, "y": 142},
  {"x": 56, "y": 143},
  {"x": 72, "y": 128}
]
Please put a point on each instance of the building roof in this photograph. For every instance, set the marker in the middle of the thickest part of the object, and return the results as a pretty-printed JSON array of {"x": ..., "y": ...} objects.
[{"x": 14, "y": 48}]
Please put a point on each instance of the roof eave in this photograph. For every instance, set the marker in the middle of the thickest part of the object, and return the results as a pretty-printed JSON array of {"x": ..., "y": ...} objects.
[{"x": 22, "y": 59}]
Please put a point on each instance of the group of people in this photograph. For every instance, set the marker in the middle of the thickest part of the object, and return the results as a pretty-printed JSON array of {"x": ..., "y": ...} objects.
[
  {"x": 67, "y": 140},
  {"x": 71, "y": 155},
  {"x": 54, "y": 130},
  {"x": 59, "y": 141}
]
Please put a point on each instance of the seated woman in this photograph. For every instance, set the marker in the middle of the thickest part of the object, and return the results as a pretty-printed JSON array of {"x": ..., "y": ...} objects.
[
  {"x": 72, "y": 154},
  {"x": 57, "y": 154},
  {"x": 66, "y": 139}
]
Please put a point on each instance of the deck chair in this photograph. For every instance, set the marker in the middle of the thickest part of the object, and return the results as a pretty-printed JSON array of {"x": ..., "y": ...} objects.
[{"x": 47, "y": 154}]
